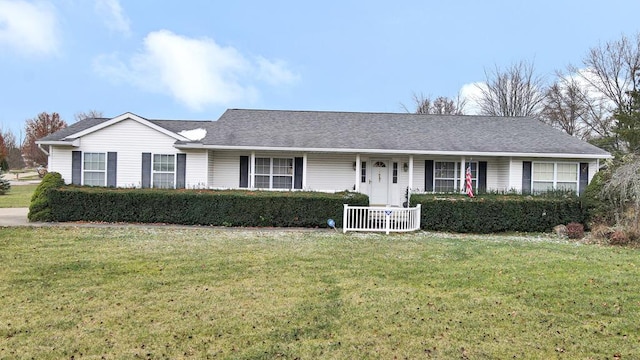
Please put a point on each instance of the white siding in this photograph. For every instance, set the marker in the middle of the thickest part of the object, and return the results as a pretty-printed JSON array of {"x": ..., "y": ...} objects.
[
  {"x": 498, "y": 174},
  {"x": 196, "y": 171},
  {"x": 130, "y": 139},
  {"x": 210, "y": 169},
  {"x": 330, "y": 172},
  {"x": 226, "y": 169},
  {"x": 60, "y": 161},
  {"x": 515, "y": 174}
]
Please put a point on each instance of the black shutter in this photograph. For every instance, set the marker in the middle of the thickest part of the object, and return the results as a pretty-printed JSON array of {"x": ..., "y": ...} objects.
[
  {"x": 181, "y": 171},
  {"x": 428, "y": 175},
  {"x": 526, "y": 177},
  {"x": 112, "y": 166},
  {"x": 76, "y": 167},
  {"x": 482, "y": 177},
  {"x": 146, "y": 170},
  {"x": 584, "y": 177},
  {"x": 297, "y": 171},
  {"x": 244, "y": 171}
]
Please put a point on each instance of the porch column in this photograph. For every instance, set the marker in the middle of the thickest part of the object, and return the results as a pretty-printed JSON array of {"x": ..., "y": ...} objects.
[
  {"x": 462, "y": 174},
  {"x": 252, "y": 170},
  {"x": 358, "y": 171},
  {"x": 304, "y": 171},
  {"x": 410, "y": 172}
]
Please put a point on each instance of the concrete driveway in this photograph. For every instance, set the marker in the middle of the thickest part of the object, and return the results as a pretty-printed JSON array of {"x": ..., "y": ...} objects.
[{"x": 14, "y": 217}]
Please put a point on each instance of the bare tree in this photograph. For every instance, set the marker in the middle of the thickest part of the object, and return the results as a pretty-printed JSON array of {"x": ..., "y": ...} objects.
[
  {"x": 570, "y": 106},
  {"x": 442, "y": 105},
  {"x": 515, "y": 91},
  {"x": 612, "y": 69},
  {"x": 13, "y": 153},
  {"x": 42, "y": 125},
  {"x": 91, "y": 114}
]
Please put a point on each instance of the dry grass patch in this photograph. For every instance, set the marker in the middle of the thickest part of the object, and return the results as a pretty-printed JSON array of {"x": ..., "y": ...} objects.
[{"x": 204, "y": 293}]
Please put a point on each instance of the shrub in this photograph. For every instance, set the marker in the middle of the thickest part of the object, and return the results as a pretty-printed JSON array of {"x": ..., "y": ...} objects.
[
  {"x": 575, "y": 230},
  {"x": 497, "y": 213},
  {"x": 40, "y": 207},
  {"x": 5, "y": 185},
  {"x": 598, "y": 208},
  {"x": 202, "y": 207},
  {"x": 619, "y": 237}
]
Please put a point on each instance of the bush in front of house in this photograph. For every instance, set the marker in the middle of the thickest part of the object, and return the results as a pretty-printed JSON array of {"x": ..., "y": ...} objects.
[
  {"x": 497, "y": 213},
  {"x": 5, "y": 185},
  {"x": 202, "y": 207},
  {"x": 40, "y": 207}
]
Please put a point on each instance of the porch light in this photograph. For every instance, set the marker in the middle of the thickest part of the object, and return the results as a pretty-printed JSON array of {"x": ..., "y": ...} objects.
[{"x": 405, "y": 167}]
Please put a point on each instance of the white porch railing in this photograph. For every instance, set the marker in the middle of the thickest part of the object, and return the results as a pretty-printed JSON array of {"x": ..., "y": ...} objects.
[{"x": 382, "y": 219}]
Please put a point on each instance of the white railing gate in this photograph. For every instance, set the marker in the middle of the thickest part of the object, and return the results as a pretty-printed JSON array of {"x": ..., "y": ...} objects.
[{"x": 381, "y": 219}]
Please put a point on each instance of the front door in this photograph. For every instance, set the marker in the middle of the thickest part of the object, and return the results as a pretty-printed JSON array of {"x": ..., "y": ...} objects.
[{"x": 379, "y": 180}]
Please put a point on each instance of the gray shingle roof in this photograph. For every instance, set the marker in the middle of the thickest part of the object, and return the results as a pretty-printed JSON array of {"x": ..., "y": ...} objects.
[
  {"x": 398, "y": 132},
  {"x": 334, "y": 131},
  {"x": 73, "y": 128}
]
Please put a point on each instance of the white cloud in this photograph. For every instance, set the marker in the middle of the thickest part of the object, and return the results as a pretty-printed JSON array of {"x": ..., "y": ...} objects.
[
  {"x": 113, "y": 15},
  {"x": 470, "y": 93},
  {"x": 275, "y": 72},
  {"x": 29, "y": 28},
  {"x": 196, "y": 72}
]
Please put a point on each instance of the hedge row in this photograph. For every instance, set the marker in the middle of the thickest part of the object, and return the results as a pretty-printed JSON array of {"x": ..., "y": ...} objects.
[
  {"x": 492, "y": 214},
  {"x": 200, "y": 207}
]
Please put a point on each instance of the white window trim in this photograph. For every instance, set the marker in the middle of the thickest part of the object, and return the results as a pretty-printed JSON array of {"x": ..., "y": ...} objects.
[
  {"x": 153, "y": 171},
  {"x": 84, "y": 171},
  {"x": 555, "y": 174},
  {"x": 271, "y": 174}
]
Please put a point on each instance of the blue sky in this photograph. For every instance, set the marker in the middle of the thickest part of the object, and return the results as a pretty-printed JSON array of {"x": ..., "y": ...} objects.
[{"x": 193, "y": 59}]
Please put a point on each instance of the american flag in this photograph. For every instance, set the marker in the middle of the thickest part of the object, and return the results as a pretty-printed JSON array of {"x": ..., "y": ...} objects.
[{"x": 469, "y": 185}]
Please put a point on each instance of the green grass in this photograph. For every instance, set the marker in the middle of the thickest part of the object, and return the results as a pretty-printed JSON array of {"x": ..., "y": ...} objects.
[
  {"x": 241, "y": 294},
  {"x": 18, "y": 196}
]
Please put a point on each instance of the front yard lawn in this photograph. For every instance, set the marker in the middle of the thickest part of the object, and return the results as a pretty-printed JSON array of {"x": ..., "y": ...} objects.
[
  {"x": 244, "y": 294},
  {"x": 19, "y": 196}
]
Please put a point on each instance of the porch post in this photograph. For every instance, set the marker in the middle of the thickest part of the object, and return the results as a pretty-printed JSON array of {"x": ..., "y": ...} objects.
[
  {"x": 358, "y": 171},
  {"x": 304, "y": 171},
  {"x": 462, "y": 174},
  {"x": 410, "y": 172},
  {"x": 252, "y": 170}
]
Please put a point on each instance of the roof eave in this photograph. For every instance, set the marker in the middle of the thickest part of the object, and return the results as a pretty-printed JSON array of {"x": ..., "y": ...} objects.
[
  {"x": 72, "y": 143},
  {"x": 201, "y": 146}
]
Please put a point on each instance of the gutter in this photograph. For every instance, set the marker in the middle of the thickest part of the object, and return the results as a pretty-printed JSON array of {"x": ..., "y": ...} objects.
[{"x": 200, "y": 146}]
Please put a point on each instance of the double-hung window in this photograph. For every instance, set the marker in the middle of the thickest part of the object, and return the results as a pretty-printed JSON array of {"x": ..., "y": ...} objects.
[
  {"x": 164, "y": 172},
  {"x": 274, "y": 173},
  {"x": 548, "y": 176},
  {"x": 448, "y": 177},
  {"x": 94, "y": 167}
]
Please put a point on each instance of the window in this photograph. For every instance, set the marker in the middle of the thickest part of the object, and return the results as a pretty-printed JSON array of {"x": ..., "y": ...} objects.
[
  {"x": 363, "y": 172},
  {"x": 164, "y": 172},
  {"x": 94, "y": 166},
  {"x": 395, "y": 172},
  {"x": 274, "y": 173},
  {"x": 549, "y": 176},
  {"x": 447, "y": 176}
]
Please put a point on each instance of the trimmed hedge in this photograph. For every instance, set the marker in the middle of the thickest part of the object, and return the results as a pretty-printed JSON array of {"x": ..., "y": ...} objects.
[
  {"x": 40, "y": 206},
  {"x": 491, "y": 214},
  {"x": 201, "y": 207}
]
